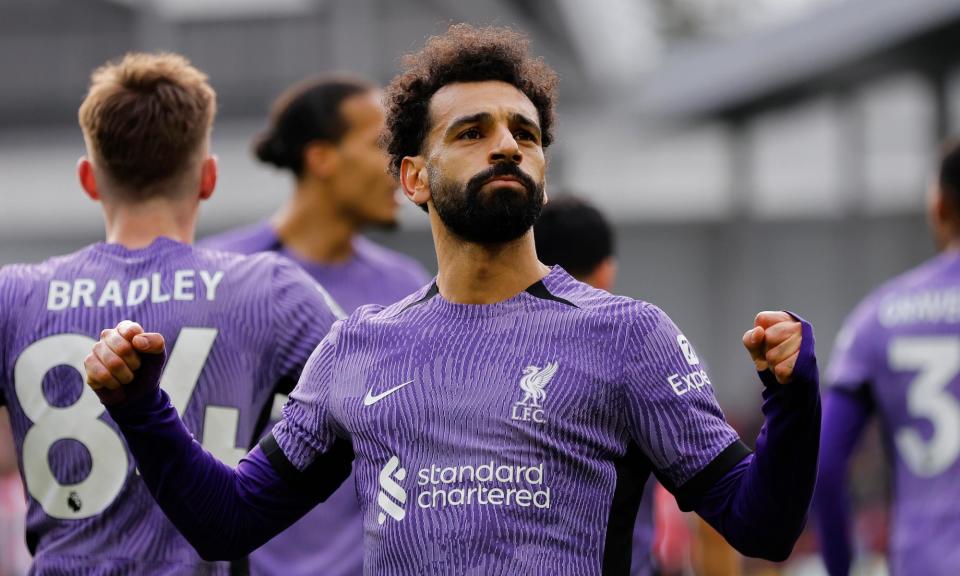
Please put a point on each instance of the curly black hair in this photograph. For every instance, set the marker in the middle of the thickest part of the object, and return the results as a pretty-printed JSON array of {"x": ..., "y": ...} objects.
[{"x": 464, "y": 54}]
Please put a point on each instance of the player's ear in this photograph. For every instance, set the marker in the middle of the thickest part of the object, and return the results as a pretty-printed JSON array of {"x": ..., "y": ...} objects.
[
  {"x": 208, "y": 177},
  {"x": 88, "y": 181},
  {"x": 320, "y": 158},
  {"x": 415, "y": 180}
]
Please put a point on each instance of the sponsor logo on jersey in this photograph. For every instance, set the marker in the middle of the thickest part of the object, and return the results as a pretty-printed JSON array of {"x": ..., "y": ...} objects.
[
  {"x": 392, "y": 497},
  {"x": 487, "y": 484},
  {"x": 682, "y": 384},
  {"x": 687, "y": 349},
  {"x": 533, "y": 385},
  {"x": 438, "y": 487}
]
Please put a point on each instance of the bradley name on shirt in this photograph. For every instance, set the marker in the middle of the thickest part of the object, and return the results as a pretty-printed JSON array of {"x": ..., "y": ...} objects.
[{"x": 86, "y": 293}]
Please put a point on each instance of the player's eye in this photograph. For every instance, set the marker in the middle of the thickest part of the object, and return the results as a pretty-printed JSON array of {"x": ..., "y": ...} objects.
[
  {"x": 470, "y": 134},
  {"x": 525, "y": 135}
]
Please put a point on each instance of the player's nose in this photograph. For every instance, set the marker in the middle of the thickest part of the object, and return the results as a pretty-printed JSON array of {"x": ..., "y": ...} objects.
[{"x": 505, "y": 147}]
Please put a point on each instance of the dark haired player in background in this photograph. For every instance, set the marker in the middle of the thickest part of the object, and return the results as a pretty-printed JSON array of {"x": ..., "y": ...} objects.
[
  {"x": 574, "y": 235},
  {"x": 240, "y": 328},
  {"x": 504, "y": 418},
  {"x": 325, "y": 132},
  {"x": 898, "y": 356}
]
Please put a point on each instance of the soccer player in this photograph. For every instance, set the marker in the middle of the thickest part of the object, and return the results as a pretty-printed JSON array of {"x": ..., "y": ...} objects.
[
  {"x": 240, "y": 327},
  {"x": 326, "y": 133},
  {"x": 573, "y": 234},
  {"x": 898, "y": 357},
  {"x": 503, "y": 419}
]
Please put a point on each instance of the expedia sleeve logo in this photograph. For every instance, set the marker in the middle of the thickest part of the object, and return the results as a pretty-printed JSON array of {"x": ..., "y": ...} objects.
[
  {"x": 687, "y": 349},
  {"x": 683, "y": 383}
]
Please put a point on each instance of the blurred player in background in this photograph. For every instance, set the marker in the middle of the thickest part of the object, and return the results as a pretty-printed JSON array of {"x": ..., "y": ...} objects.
[
  {"x": 503, "y": 419},
  {"x": 898, "y": 357},
  {"x": 326, "y": 133},
  {"x": 575, "y": 235},
  {"x": 241, "y": 327}
]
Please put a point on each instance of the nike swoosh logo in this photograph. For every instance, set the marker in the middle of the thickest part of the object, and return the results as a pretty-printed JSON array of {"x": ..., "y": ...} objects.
[{"x": 370, "y": 399}]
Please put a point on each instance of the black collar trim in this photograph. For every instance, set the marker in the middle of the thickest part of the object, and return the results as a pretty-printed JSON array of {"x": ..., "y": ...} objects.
[
  {"x": 433, "y": 291},
  {"x": 538, "y": 289}
]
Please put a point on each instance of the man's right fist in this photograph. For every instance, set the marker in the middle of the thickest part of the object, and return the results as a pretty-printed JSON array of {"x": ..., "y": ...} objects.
[{"x": 118, "y": 355}]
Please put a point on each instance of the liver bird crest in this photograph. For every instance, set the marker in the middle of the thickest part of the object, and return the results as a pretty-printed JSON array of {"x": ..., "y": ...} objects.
[{"x": 534, "y": 383}]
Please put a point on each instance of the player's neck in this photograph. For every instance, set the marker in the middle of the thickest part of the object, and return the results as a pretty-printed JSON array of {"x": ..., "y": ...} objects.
[
  {"x": 310, "y": 226},
  {"x": 480, "y": 274},
  {"x": 137, "y": 225}
]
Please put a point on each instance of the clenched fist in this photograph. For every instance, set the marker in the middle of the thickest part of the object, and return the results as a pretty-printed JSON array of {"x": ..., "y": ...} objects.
[
  {"x": 123, "y": 354},
  {"x": 774, "y": 343}
]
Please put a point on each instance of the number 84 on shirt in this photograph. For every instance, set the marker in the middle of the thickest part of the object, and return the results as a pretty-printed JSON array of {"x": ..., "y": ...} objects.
[{"x": 81, "y": 421}]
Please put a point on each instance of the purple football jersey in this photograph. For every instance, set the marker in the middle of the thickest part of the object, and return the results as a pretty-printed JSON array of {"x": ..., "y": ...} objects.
[
  {"x": 900, "y": 351},
  {"x": 330, "y": 538},
  {"x": 238, "y": 330},
  {"x": 514, "y": 438},
  {"x": 373, "y": 275}
]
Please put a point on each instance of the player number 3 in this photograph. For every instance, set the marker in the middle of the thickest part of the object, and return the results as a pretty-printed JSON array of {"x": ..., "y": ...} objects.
[
  {"x": 936, "y": 359},
  {"x": 81, "y": 421}
]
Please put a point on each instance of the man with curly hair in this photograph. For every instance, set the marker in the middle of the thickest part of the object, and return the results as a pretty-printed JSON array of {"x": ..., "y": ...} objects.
[{"x": 504, "y": 418}]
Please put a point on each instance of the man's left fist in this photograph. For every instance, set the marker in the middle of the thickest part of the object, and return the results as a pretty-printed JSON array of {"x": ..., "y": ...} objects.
[{"x": 774, "y": 343}]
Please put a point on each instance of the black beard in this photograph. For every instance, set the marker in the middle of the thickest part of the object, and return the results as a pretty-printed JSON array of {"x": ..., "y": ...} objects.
[{"x": 502, "y": 215}]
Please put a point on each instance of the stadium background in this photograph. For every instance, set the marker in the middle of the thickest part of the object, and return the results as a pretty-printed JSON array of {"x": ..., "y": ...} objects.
[{"x": 752, "y": 153}]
